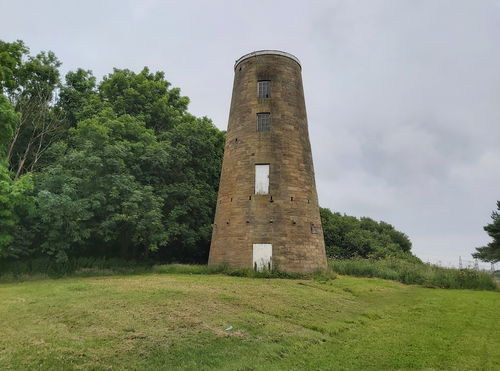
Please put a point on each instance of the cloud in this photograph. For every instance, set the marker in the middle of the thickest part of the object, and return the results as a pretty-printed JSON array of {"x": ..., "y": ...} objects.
[{"x": 402, "y": 96}]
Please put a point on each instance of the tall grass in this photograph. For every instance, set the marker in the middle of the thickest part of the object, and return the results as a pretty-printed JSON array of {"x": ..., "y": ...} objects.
[
  {"x": 242, "y": 272},
  {"x": 404, "y": 271},
  {"x": 416, "y": 273},
  {"x": 33, "y": 269}
]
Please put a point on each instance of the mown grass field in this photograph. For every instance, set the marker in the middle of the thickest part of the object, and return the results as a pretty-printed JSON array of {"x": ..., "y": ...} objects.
[{"x": 179, "y": 321}]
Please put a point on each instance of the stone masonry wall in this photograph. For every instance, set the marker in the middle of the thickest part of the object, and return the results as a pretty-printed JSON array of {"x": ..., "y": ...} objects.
[{"x": 288, "y": 215}]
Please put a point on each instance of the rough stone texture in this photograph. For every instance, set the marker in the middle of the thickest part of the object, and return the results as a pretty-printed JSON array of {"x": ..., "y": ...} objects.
[{"x": 285, "y": 217}]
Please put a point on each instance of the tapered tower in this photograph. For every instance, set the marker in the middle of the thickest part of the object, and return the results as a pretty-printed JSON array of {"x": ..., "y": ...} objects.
[{"x": 267, "y": 209}]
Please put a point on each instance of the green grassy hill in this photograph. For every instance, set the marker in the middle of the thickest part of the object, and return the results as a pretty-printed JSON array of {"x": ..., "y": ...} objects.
[{"x": 179, "y": 321}]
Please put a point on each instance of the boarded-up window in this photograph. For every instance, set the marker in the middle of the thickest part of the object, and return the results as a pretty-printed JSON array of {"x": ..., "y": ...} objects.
[
  {"x": 264, "y": 89},
  {"x": 262, "y": 179},
  {"x": 263, "y": 121},
  {"x": 262, "y": 256}
]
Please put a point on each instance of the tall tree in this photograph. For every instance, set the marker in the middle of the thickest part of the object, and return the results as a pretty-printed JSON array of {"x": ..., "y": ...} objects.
[
  {"x": 144, "y": 95},
  {"x": 491, "y": 252},
  {"x": 11, "y": 59},
  {"x": 189, "y": 186},
  {"x": 29, "y": 83},
  {"x": 15, "y": 203},
  {"x": 119, "y": 168},
  {"x": 8, "y": 121},
  {"x": 91, "y": 201},
  {"x": 79, "y": 98}
]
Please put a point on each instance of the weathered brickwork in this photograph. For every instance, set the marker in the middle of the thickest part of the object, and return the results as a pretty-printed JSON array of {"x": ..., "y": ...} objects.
[{"x": 288, "y": 215}]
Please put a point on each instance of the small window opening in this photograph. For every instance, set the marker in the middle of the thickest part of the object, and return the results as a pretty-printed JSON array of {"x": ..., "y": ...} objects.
[
  {"x": 264, "y": 89},
  {"x": 291, "y": 198},
  {"x": 314, "y": 230},
  {"x": 271, "y": 200},
  {"x": 231, "y": 199},
  {"x": 249, "y": 197},
  {"x": 236, "y": 140},
  {"x": 263, "y": 121}
]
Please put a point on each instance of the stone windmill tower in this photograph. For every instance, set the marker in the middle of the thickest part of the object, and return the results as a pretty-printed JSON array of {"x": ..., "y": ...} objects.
[{"x": 267, "y": 209}]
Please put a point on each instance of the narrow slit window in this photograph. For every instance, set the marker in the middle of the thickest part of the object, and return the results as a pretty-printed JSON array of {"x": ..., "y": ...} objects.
[
  {"x": 264, "y": 89},
  {"x": 263, "y": 121}
]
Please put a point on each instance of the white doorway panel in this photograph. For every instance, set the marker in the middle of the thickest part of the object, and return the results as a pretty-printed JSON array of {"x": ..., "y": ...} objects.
[{"x": 262, "y": 256}]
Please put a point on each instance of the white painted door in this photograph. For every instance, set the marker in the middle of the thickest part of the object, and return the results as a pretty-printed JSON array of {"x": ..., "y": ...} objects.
[
  {"x": 262, "y": 179},
  {"x": 262, "y": 256}
]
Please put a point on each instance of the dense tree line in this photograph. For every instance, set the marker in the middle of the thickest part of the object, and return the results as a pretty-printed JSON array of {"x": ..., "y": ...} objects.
[
  {"x": 120, "y": 168},
  {"x": 116, "y": 168},
  {"x": 348, "y": 237}
]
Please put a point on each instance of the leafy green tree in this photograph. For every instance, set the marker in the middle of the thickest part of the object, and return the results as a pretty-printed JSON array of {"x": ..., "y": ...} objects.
[
  {"x": 491, "y": 252},
  {"x": 8, "y": 120},
  {"x": 114, "y": 189},
  {"x": 147, "y": 96},
  {"x": 90, "y": 200},
  {"x": 348, "y": 237},
  {"x": 15, "y": 202},
  {"x": 190, "y": 186},
  {"x": 119, "y": 168},
  {"x": 11, "y": 55},
  {"x": 29, "y": 83},
  {"x": 79, "y": 98}
]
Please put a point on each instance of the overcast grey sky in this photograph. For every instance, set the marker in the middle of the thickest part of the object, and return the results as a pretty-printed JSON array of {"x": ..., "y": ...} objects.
[{"x": 403, "y": 96}]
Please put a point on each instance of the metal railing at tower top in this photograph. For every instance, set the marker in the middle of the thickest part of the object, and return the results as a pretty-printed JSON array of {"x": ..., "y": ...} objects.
[{"x": 267, "y": 52}]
